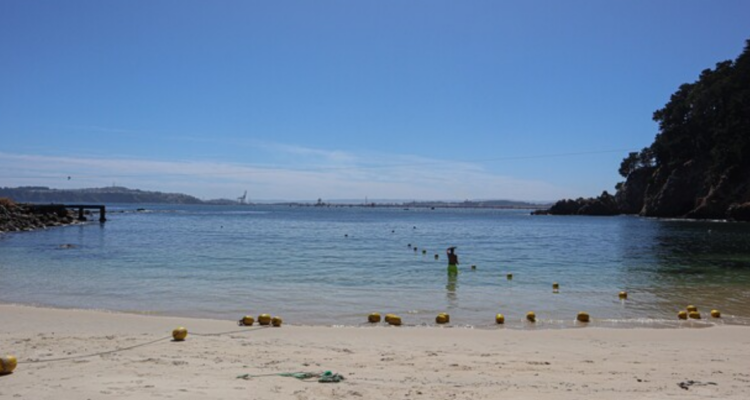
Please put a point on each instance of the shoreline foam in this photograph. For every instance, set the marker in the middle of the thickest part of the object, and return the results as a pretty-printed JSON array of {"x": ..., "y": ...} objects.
[{"x": 516, "y": 324}]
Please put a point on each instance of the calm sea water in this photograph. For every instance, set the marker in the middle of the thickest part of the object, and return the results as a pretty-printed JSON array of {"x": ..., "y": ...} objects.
[{"x": 333, "y": 266}]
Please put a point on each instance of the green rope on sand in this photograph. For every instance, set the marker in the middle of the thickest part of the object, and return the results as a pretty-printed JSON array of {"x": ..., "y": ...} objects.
[
  {"x": 300, "y": 375},
  {"x": 323, "y": 377},
  {"x": 329, "y": 377}
]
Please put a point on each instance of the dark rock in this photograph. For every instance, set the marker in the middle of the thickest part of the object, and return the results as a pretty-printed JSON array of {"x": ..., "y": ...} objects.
[
  {"x": 24, "y": 217},
  {"x": 739, "y": 212},
  {"x": 631, "y": 194},
  {"x": 673, "y": 193},
  {"x": 566, "y": 207},
  {"x": 603, "y": 205},
  {"x": 733, "y": 187}
]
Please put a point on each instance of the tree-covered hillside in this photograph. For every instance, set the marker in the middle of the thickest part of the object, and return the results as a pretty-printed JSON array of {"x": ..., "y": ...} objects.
[{"x": 699, "y": 163}]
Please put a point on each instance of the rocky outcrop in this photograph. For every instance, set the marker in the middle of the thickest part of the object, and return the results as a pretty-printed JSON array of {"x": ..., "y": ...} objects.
[
  {"x": 682, "y": 192},
  {"x": 24, "y": 217},
  {"x": 725, "y": 199},
  {"x": 673, "y": 192},
  {"x": 630, "y": 196},
  {"x": 603, "y": 205},
  {"x": 739, "y": 212}
]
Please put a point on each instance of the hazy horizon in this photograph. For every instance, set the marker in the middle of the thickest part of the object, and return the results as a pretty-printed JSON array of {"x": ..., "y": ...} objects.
[{"x": 366, "y": 200}]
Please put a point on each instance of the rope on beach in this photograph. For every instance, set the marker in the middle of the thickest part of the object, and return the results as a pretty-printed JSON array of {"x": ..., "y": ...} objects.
[
  {"x": 132, "y": 347},
  {"x": 322, "y": 377},
  {"x": 230, "y": 332},
  {"x": 95, "y": 354}
]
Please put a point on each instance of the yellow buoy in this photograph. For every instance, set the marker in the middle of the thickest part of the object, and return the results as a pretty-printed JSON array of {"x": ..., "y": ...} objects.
[
  {"x": 510, "y": 277},
  {"x": 388, "y": 317},
  {"x": 7, "y": 364},
  {"x": 582, "y": 317},
  {"x": 394, "y": 320},
  {"x": 499, "y": 319},
  {"x": 531, "y": 316},
  {"x": 442, "y": 318},
  {"x": 694, "y": 315},
  {"x": 179, "y": 334},
  {"x": 276, "y": 321},
  {"x": 623, "y": 295},
  {"x": 248, "y": 320},
  {"x": 716, "y": 313},
  {"x": 373, "y": 318},
  {"x": 682, "y": 315},
  {"x": 264, "y": 319},
  {"x": 692, "y": 308}
]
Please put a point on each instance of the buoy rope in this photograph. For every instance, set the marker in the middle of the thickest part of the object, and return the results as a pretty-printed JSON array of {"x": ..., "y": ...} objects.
[
  {"x": 102, "y": 353},
  {"x": 230, "y": 332},
  {"x": 306, "y": 375}
]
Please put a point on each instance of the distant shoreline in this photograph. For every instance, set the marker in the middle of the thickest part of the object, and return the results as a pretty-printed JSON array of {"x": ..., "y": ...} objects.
[{"x": 123, "y": 195}]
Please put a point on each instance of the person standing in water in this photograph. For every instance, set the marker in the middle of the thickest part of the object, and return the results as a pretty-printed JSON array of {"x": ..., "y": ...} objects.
[{"x": 452, "y": 261}]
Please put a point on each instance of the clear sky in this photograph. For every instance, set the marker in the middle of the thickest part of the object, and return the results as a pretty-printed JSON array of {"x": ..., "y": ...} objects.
[{"x": 299, "y": 100}]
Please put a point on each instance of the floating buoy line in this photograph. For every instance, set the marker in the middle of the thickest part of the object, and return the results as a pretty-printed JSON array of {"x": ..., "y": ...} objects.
[
  {"x": 690, "y": 312},
  {"x": 9, "y": 362}
]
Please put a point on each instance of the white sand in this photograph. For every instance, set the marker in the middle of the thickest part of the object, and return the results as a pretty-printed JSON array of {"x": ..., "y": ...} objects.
[{"x": 378, "y": 362}]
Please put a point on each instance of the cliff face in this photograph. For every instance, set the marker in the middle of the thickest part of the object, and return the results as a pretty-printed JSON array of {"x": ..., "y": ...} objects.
[
  {"x": 728, "y": 193},
  {"x": 673, "y": 193},
  {"x": 683, "y": 192},
  {"x": 687, "y": 192},
  {"x": 630, "y": 197}
]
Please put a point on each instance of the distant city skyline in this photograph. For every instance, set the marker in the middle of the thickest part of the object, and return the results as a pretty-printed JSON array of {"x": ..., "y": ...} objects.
[{"x": 302, "y": 100}]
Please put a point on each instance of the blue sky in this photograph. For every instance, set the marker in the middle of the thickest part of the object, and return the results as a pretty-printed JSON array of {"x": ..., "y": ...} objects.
[{"x": 413, "y": 100}]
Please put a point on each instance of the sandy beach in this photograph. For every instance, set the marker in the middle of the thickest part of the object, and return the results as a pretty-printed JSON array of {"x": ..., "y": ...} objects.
[{"x": 99, "y": 355}]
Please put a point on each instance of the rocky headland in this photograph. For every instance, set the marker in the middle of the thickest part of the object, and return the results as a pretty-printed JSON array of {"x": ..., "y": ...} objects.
[
  {"x": 699, "y": 164},
  {"x": 15, "y": 217}
]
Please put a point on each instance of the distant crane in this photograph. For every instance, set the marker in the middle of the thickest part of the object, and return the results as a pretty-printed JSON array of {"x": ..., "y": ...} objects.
[{"x": 242, "y": 198}]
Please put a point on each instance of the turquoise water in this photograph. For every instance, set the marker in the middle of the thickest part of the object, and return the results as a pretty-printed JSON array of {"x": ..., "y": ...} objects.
[{"x": 333, "y": 266}]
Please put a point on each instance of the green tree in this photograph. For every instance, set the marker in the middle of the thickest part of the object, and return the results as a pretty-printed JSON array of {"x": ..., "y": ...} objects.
[
  {"x": 636, "y": 160},
  {"x": 707, "y": 121}
]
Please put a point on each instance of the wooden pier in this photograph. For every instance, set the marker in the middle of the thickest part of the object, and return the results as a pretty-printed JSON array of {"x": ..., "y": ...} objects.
[{"x": 81, "y": 207}]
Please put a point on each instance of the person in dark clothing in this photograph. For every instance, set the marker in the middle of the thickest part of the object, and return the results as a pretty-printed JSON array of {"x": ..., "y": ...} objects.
[{"x": 452, "y": 261}]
